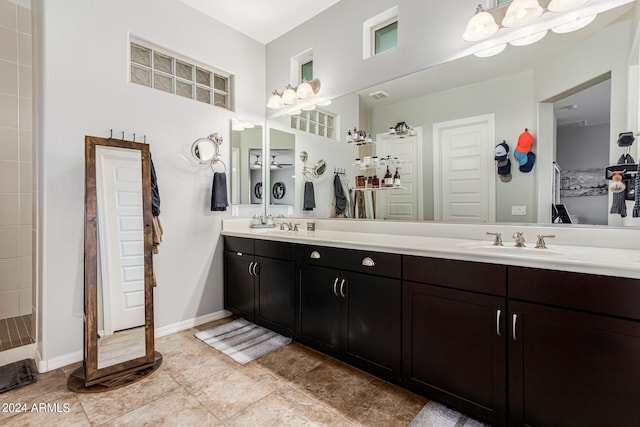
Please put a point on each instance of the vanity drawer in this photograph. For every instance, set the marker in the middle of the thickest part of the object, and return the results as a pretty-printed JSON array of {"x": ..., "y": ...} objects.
[
  {"x": 238, "y": 244},
  {"x": 465, "y": 275},
  {"x": 271, "y": 249},
  {"x": 614, "y": 296},
  {"x": 378, "y": 263}
]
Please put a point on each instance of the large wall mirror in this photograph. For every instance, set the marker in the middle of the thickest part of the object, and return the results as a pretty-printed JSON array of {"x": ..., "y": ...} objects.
[
  {"x": 119, "y": 331},
  {"x": 570, "y": 90},
  {"x": 247, "y": 159}
]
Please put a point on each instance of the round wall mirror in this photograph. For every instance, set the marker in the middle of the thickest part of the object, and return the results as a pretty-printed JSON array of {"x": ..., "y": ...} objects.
[
  {"x": 203, "y": 150},
  {"x": 320, "y": 167}
]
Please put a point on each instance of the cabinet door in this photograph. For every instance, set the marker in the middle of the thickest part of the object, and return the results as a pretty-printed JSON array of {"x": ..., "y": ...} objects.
[
  {"x": 372, "y": 323},
  {"x": 239, "y": 295},
  {"x": 274, "y": 287},
  {"x": 319, "y": 315},
  {"x": 568, "y": 368},
  {"x": 454, "y": 348}
]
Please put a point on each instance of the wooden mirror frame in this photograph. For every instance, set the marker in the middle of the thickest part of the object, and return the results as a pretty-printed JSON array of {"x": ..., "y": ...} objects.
[{"x": 90, "y": 378}]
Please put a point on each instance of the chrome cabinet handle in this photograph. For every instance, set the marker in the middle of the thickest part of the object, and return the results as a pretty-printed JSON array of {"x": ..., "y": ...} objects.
[
  {"x": 368, "y": 262},
  {"x": 498, "y": 322},
  {"x": 515, "y": 319},
  {"x": 239, "y": 253},
  {"x": 255, "y": 266},
  {"x": 315, "y": 255},
  {"x": 342, "y": 288},
  {"x": 335, "y": 285},
  {"x": 250, "y": 267}
]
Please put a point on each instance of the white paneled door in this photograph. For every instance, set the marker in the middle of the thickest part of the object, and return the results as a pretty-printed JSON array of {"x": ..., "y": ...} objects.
[
  {"x": 404, "y": 203},
  {"x": 121, "y": 238},
  {"x": 464, "y": 170}
]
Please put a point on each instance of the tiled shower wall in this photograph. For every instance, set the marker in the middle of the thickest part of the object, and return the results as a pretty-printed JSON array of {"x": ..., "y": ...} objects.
[{"x": 16, "y": 183}]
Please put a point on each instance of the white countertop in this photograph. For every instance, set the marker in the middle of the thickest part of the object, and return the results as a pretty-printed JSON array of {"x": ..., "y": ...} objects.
[{"x": 621, "y": 262}]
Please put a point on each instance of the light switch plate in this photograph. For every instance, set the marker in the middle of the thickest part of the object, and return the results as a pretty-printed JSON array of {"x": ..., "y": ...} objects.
[{"x": 518, "y": 210}]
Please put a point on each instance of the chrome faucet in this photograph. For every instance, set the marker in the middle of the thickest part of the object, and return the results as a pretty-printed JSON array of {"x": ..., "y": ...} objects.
[
  {"x": 540, "y": 242},
  {"x": 289, "y": 226},
  {"x": 519, "y": 238},
  {"x": 498, "y": 239}
]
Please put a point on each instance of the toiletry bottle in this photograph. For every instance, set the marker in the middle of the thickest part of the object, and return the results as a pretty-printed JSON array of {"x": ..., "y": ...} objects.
[
  {"x": 396, "y": 179},
  {"x": 376, "y": 181},
  {"x": 388, "y": 178}
]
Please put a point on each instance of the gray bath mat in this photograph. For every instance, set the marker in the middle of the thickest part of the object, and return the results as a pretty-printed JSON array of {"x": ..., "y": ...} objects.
[
  {"x": 436, "y": 415},
  {"x": 242, "y": 340},
  {"x": 17, "y": 374}
]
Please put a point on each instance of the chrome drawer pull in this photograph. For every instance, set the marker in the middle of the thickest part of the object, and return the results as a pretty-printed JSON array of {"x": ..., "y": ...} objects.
[
  {"x": 515, "y": 318},
  {"x": 498, "y": 323},
  {"x": 315, "y": 255},
  {"x": 368, "y": 262},
  {"x": 255, "y": 273},
  {"x": 250, "y": 267},
  {"x": 342, "y": 288},
  {"x": 239, "y": 253},
  {"x": 335, "y": 285}
]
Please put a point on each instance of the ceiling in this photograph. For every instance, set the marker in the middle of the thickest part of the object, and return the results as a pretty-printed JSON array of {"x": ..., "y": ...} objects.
[{"x": 262, "y": 20}]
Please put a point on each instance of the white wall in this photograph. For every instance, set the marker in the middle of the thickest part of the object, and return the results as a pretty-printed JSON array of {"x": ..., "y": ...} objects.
[
  {"x": 428, "y": 34},
  {"x": 83, "y": 90}
]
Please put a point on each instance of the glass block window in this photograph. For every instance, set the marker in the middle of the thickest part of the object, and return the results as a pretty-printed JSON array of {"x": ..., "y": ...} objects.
[
  {"x": 316, "y": 122},
  {"x": 165, "y": 72},
  {"x": 386, "y": 37},
  {"x": 306, "y": 71}
]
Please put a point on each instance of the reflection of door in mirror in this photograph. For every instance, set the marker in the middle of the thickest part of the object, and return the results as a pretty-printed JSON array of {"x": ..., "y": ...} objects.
[
  {"x": 281, "y": 168},
  {"x": 118, "y": 269},
  {"x": 582, "y": 150},
  {"x": 246, "y": 164},
  {"x": 121, "y": 255}
]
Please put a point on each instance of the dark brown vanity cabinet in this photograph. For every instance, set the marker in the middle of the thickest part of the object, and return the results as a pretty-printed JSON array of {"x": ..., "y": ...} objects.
[
  {"x": 574, "y": 349},
  {"x": 350, "y": 307},
  {"x": 454, "y": 334},
  {"x": 259, "y": 282}
]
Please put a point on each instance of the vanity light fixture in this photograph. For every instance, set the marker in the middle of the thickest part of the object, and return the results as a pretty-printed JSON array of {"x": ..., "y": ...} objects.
[
  {"x": 294, "y": 95},
  {"x": 481, "y": 26},
  {"x": 491, "y": 51},
  {"x": 522, "y": 12},
  {"x": 563, "y": 5},
  {"x": 530, "y": 39},
  {"x": 575, "y": 25},
  {"x": 517, "y": 13}
]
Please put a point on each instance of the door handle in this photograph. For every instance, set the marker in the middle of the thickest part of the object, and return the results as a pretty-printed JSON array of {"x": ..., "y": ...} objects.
[
  {"x": 515, "y": 319},
  {"x": 335, "y": 285},
  {"x": 250, "y": 267},
  {"x": 342, "y": 288},
  {"x": 498, "y": 314}
]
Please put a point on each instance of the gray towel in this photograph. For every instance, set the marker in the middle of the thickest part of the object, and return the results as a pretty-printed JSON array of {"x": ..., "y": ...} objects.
[
  {"x": 341, "y": 201},
  {"x": 219, "y": 192},
  {"x": 309, "y": 200},
  {"x": 636, "y": 207}
]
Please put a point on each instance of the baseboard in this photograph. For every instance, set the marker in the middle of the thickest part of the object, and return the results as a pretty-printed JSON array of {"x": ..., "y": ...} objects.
[
  {"x": 18, "y": 353},
  {"x": 59, "y": 362},
  {"x": 191, "y": 323},
  {"x": 77, "y": 356}
]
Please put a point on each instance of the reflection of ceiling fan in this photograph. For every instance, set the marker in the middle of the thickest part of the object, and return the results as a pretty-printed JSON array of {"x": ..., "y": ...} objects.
[
  {"x": 257, "y": 164},
  {"x": 276, "y": 165}
]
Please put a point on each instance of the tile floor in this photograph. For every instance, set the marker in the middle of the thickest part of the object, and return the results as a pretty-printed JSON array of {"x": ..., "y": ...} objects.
[
  {"x": 15, "y": 332},
  {"x": 198, "y": 386}
]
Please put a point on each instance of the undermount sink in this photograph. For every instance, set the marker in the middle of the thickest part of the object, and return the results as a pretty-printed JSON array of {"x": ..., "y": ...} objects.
[{"x": 509, "y": 248}]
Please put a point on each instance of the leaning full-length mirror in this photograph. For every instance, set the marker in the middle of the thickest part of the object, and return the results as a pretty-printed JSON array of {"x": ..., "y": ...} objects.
[{"x": 119, "y": 330}]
